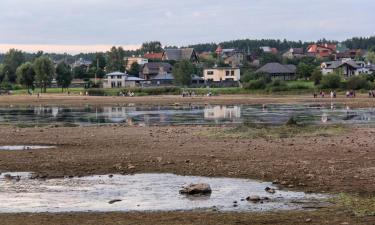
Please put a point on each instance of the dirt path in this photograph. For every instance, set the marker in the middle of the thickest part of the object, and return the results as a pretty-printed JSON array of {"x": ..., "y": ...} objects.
[{"x": 54, "y": 99}]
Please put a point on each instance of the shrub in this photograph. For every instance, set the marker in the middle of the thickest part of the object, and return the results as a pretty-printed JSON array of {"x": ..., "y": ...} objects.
[
  {"x": 256, "y": 84},
  {"x": 277, "y": 85},
  {"x": 331, "y": 81},
  {"x": 357, "y": 83}
]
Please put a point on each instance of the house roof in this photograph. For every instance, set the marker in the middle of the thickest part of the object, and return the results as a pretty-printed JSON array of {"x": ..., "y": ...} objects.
[
  {"x": 297, "y": 50},
  {"x": 117, "y": 73},
  {"x": 131, "y": 78},
  {"x": 178, "y": 54},
  {"x": 277, "y": 68},
  {"x": 337, "y": 64},
  {"x": 196, "y": 77},
  {"x": 166, "y": 76},
  {"x": 154, "y": 67},
  {"x": 157, "y": 56}
]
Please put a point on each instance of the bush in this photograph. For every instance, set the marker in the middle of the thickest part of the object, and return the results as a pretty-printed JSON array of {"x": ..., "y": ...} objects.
[
  {"x": 256, "y": 84},
  {"x": 277, "y": 85},
  {"x": 357, "y": 83},
  {"x": 331, "y": 81}
]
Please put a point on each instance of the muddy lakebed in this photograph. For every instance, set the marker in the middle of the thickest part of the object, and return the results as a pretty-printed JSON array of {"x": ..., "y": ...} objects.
[
  {"x": 270, "y": 114},
  {"x": 19, "y": 193}
]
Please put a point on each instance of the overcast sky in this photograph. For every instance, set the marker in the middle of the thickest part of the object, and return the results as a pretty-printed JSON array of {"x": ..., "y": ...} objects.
[{"x": 66, "y": 25}]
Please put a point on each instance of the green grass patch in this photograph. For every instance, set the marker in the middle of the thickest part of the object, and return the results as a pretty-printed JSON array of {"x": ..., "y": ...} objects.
[
  {"x": 50, "y": 91},
  {"x": 250, "y": 130},
  {"x": 360, "y": 206}
]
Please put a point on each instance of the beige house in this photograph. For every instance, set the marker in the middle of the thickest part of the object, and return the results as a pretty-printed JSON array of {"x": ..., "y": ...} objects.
[
  {"x": 120, "y": 80},
  {"x": 130, "y": 60},
  {"x": 222, "y": 74}
]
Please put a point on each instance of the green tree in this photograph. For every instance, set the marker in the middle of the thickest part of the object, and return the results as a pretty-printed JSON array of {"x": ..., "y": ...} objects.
[
  {"x": 182, "y": 72},
  {"x": 44, "y": 72},
  {"x": 80, "y": 72},
  {"x": 153, "y": 46},
  {"x": 316, "y": 76},
  {"x": 2, "y": 72},
  {"x": 100, "y": 61},
  {"x": 5, "y": 84},
  {"x": 115, "y": 60},
  {"x": 26, "y": 75},
  {"x": 331, "y": 81},
  {"x": 64, "y": 76},
  {"x": 12, "y": 60},
  {"x": 134, "y": 69},
  {"x": 269, "y": 58},
  {"x": 371, "y": 57},
  {"x": 358, "y": 82},
  {"x": 304, "y": 70}
]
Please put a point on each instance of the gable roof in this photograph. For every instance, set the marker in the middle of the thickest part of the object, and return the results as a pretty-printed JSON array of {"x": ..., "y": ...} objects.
[
  {"x": 154, "y": 56},
  {"x": 337, "y": 64},
  {"x": 178, "y": 54},
  {"x": 154, "y": 67},
  {"x": 277, "y": 68}
]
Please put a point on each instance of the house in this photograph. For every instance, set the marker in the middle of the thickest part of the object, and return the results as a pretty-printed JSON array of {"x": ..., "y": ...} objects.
[
  {"x": 151, "y": 70},
  {"x": 82, "y": 62},
  {"x": 294, "y": 53},
  {"x": 346, "y": 68},
  {"x": 220, "y": 74},
  {"x": 130, "y": 60},
  {"x": 349, "y": 54},
  {"x": 119, "y": 80},
  {"x": 231, "y": 56},
  {"x": 163, "y": 79},
  {"x": 154, "y": 56},
  {"x": 321, "y": 50},
  {"x": 180, "y": 54},
  {"x": 269, "y": 50},
  {"x": 279, "y": 71}
]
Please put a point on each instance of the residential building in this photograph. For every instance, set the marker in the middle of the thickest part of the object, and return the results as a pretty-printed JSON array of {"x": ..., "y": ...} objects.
[
  {"x": 154, "y": 56},
  {"x": 119, "y": 79},
  {"x": 346, "y": 68},
  {"x": 82, "y": 62},
  {"x": 279, "y": 71},
  {"x": 294, "y": 53},
  {"x": 220, "y": 74},
  {"x": 321, "y": 50},
  {"x": 163, "y": 79},
  {"x": 151, "y": 70},
  {"x": 231, "y": 56},
  {"x": 180, "y": 54},
  {"x": 130, "y": 60},
  {"x": 267, "y": 49}
]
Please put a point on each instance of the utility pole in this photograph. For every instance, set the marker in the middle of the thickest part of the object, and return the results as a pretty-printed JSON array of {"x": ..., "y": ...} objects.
[{"x": 97, "y": 68}]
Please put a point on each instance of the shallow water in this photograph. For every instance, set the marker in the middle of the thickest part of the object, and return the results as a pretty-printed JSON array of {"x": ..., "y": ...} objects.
[
  {"x": 140, "y": 192},
  {"x": 24, "y": 147},
  {"x": 273, "y": 114}
]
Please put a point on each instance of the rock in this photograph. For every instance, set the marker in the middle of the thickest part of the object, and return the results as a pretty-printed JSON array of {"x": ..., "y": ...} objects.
[
  {"x": 114, "y": 201},
  {"x": 308, "y": 220},
  {"x": 253, "y": 198},
  {"x": 110, "y": 176},
  {"x": 194, "y": 189},
  {"x": 270, "y": 190},
  {"x": 276, "y": 182},
  {"x": 130, "y": 167},
  {"x": 159, "y": 159}
]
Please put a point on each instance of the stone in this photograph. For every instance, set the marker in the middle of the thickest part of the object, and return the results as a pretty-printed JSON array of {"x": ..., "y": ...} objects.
[
  {"x": 196, "y": 189},
  {"x": 114, "y": 201},
  {"x": 270, "y": 190},
  {"x": 253, "y": 198},
  {"x": 308, "y": 220}
]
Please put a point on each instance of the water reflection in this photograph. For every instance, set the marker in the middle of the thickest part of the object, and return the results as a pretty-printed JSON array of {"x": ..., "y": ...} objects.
[{"x": 276, "y": 114}]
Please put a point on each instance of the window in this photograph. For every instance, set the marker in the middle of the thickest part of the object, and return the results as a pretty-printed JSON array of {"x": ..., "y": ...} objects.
[
  {"x": 227, "y": 73},
  {"x": 119, "y": 84},
  {"x": 113, "y": 84},
  {"x": 232, "y": 72},
  {"x": 210, "y": 72},
  {"x": 119, "y": 77}
]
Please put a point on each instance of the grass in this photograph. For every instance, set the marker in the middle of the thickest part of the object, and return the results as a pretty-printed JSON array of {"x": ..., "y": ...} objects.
[
  {"x": 50, "y": 90},
  {"x": 249, "y": 130},
  {"x": 360, "y": 206}
]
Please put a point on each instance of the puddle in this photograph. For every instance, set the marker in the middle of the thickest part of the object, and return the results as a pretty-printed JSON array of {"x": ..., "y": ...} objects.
[
  {"x": 140, "y": 192},
  {"x": 24, "y": 147},
  {"x": 272, "y": 114}
]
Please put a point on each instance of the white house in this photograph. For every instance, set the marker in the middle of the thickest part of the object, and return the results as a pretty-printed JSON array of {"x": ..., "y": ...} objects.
[
  {"x": 222, "y": 74},
  {"x": 119, "y": 79},
  {"x": 346, "y": 68}
]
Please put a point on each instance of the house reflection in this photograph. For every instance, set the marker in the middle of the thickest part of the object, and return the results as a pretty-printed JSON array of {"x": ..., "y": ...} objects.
[
  {"x": 116, "y": 114},
  {"x": 222, "y": 112}
]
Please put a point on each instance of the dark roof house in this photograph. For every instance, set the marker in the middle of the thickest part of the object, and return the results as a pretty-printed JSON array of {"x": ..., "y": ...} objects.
[
  {"x": 279, "y": 71},
  {"x": 150, "y": 70},
  {"x": 180, "y": 54}
]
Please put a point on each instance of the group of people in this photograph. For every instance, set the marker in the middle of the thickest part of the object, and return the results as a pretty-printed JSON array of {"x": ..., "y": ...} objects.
[
  {"x": 322, "y": 94},
  {"x": 350, "y": 94},
  {"x": 188, "y": 94},
  {"x": 127, "y": 94}
]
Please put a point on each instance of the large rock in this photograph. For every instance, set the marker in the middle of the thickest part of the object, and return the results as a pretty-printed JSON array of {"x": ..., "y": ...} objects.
[{"x": 196, "y": 189}]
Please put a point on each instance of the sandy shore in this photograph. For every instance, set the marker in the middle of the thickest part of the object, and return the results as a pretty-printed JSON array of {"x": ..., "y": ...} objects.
[{"x": 55, "y": 99}]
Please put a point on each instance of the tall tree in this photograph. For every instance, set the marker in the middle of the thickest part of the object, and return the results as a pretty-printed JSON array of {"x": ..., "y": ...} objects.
[
  {"x": 182, "y": 72},
  {"x": 115, "y": 60},
  {"x": 134, "y": 69},
  {"x": 153, "y": 46},
  {"x": 12, "y": 60},
  {"x": 305, "y": 70},
  {"x": 26, "y": 75},
  {"x": 44, "y": 72},
  {"x": 371, "y": 57},
  {"x": 64, "y": 76}
]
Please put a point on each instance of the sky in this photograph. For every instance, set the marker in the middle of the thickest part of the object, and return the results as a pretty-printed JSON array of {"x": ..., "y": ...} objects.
[{"x": 74, "y": 26}]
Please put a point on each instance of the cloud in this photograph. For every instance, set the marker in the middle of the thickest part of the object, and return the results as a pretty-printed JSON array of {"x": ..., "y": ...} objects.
[{"x": 114, "y": 22}]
